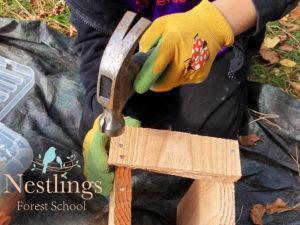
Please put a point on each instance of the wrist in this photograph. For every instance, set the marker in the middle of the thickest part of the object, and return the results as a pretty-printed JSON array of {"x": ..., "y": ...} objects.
[
  {"x": 219, "y": 27},
  {"x": 231, "y": 10}
]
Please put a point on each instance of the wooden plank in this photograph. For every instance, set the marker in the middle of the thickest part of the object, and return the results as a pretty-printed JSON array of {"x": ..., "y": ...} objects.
[
  {"x": 121, "y": 198},
  {"x": 176, "y": 153},
  {"x": 207, "y": 203},
  {"x": 4, "y": 219},
  {"x": 8, "y": 204}
]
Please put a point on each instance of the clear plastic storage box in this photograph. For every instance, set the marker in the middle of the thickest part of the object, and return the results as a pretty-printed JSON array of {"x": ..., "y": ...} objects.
[
  {"x": 15, "y": 82},
  {"x": 15, "y": 153}
]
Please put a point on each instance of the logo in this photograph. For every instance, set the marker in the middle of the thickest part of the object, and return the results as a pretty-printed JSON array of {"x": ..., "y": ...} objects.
[
  {"x": 57, "y": 168},
  {"x": 52, "y": 162},
  {"x": 165, "y": 2}
]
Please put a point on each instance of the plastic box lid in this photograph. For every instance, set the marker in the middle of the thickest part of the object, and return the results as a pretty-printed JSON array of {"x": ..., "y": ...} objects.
[
  {"x": 15, "y": 82},
  {"x": 15, "y": 152}
]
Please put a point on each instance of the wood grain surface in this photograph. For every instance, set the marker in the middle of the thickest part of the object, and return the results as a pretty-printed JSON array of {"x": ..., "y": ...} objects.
[
  {"x": 121, "y": 198},
  {"x": 207, "y": 203},
  {"x": 8, "y": 204},
  {"x": 177, "y": 153}
]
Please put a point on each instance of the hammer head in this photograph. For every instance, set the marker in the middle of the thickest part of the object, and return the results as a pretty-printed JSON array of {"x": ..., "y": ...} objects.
[{"x": 117, "y": 71}]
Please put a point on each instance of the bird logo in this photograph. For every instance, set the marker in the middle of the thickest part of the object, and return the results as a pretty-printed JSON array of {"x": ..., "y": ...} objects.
[
  {"x": 59, "y": 161},
  {"x": 49, "y": 157},
  {"x": 54, "y": 163}
]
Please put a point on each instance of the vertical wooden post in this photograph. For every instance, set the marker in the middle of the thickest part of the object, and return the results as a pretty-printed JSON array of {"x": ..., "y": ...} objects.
[
  {"x": 121, "y": 198},
  {"x": 207, "y": 203},
  {"x": 8, "y": 203},
  {"x": 4, "y": 219}
]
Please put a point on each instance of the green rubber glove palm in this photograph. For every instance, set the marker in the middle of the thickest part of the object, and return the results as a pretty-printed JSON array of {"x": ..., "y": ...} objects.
[
  {"x": 184, "y": 47},
  {"x": 95, "y": 148}
]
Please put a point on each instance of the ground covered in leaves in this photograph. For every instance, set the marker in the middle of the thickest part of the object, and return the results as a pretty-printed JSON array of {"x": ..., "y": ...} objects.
[{"x": 278, "y": 62}]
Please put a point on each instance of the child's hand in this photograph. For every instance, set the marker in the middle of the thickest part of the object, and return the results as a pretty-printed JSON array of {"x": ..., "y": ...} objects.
[
  {"x": 185, "y": 46},
  {"x": 95, "y": 154}
]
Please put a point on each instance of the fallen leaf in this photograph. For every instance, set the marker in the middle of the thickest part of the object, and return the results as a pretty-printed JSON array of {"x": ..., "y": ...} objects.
[
  {"x": 296, "y": 86},
  {"x": 34, "y": 2},
  {"x": 22, "y": 14},
  {"x": 256, "y": 214},
  {"x": 271, "y": 42},
  {"x": 284, "y": 23},
  {"x": 278, "y": 206},
  {"x": 288, "y": 63},
  {"x": 287, "y": 48},
  {"x": 269, "y": 55},
  {"x": 293, "y": 28},
  {"x": 72, "y": 31},
  {"x": 283, "y": 37},
  {"x": 258, "y": 211},
  {"x": 285, "y": 18},
  {"x": 248, "y": 140},
  {"x": 42, "y": 15},
  {"x": 295, "y": 14},
  {"x": 59, "y": 8}
]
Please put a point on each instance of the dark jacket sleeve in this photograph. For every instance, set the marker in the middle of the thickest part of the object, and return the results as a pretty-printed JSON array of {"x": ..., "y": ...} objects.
[
  {"x": 95, "y": 20},
  {"x": 270, "y": 10},
  {"x": 89, "y": 45}
]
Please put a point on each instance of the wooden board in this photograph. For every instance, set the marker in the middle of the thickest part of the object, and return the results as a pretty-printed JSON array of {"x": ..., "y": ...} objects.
[
  {"x": 207, "y": 203},
  {"x": 176, "y": 153},
  {"x": 4, "y": 219},
  {"x": 121, "y": 198},
  {"x": 8, "y": 204}
]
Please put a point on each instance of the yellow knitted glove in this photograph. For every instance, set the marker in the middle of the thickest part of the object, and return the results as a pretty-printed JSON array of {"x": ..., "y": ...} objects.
[{"x": 185, "y": 46}]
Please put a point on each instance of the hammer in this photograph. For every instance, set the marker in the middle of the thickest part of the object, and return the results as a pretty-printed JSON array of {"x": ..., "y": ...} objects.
[{"x": 118, "y": 68}]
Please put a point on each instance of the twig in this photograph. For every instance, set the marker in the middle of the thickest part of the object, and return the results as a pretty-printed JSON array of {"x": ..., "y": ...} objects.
[
  {"x": 292, "y": 36},
  {"x": 266, "y": 118},
  {"x": 18, "y": 16},
  {"x": 240, "y": 216},
  {"x": 296, "y": 206},
  {"x": 288, "y": 33},
  {"x": 297, "y": 159},
  {"x": 57, "y": 22},
  {"x": 25, "y": 10},
  {"x": 265, "y": 114}
]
